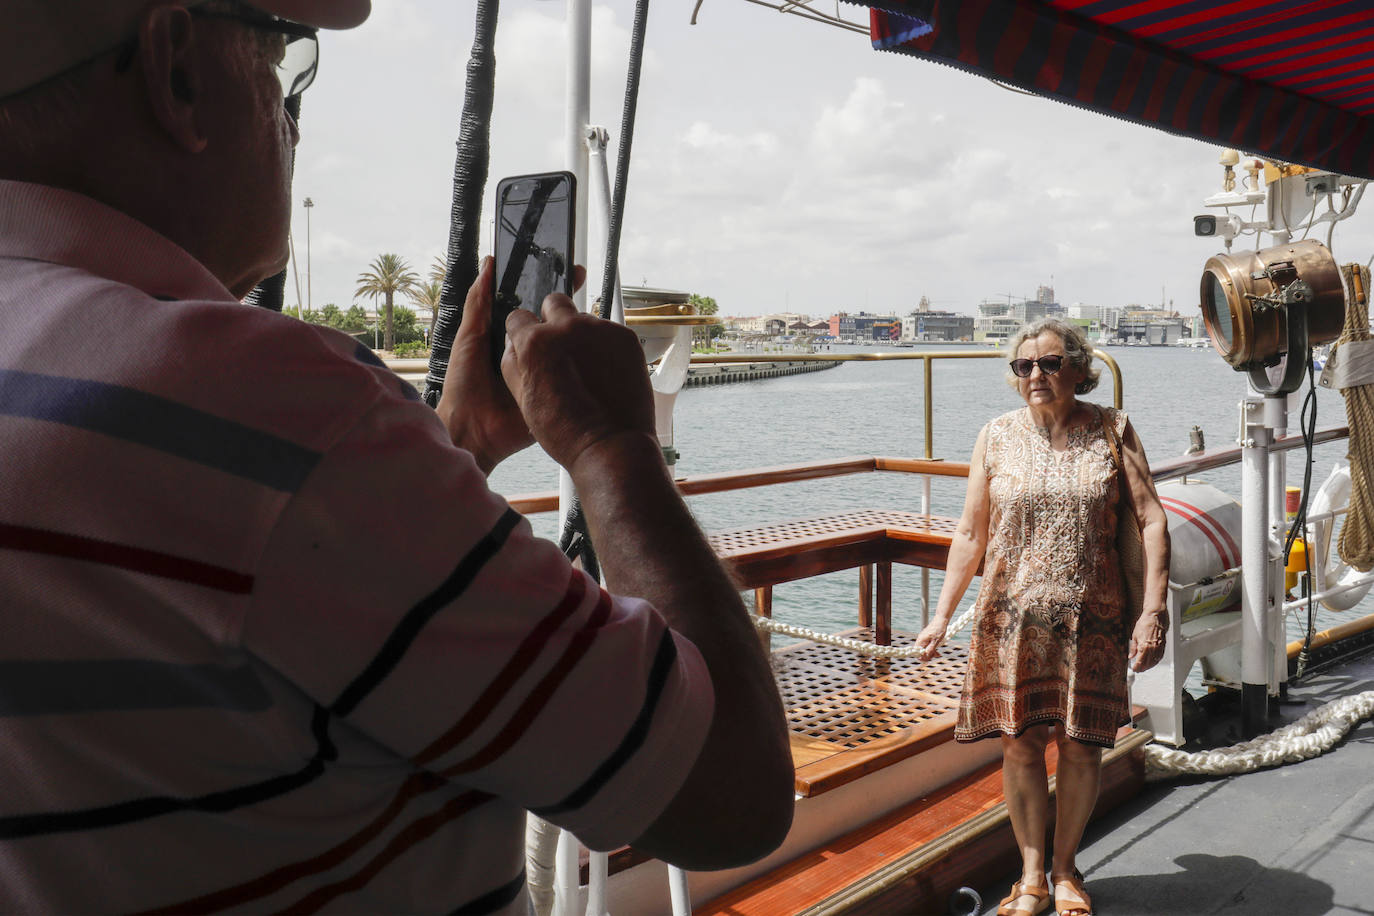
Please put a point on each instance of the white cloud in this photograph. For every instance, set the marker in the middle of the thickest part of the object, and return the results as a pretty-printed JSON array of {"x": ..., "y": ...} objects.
[{"x": 775, "y": 162}]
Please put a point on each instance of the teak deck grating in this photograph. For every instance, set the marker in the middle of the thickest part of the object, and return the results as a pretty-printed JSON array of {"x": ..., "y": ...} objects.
[{"x": 849, "y": 700}]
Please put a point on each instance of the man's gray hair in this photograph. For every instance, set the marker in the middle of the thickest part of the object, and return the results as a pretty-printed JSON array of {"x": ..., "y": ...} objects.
[{"x": 1077, "y": 353}]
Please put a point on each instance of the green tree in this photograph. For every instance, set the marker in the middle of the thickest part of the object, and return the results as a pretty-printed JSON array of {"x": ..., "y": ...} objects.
[
  {"x": 438, "y": 270},
  {"x": 388, "y": 275},
  {"x": 406, "y": 330},
  {"x": 331, "y": 316},
  {"x": 354, "y": 320},
  {"x": 705, "y": 305},
  {"x": 428, "y": 293}
]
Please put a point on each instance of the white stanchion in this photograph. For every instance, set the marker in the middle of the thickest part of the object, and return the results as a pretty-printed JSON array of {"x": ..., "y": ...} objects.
[
  {"x": 678, "y": 892},
  {"x": 598, "y": 868},
  {"x": 567, "y": 893},
  {"x": 541, "y": 844}
]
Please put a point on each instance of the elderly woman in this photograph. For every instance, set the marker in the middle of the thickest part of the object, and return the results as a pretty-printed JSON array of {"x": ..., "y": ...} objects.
[{"x": 1052, "y": 634}]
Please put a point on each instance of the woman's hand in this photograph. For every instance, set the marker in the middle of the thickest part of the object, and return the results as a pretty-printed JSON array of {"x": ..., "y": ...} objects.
[
  {"x": 931, "y": 638},
  {"x": 1148, "y": 640}
]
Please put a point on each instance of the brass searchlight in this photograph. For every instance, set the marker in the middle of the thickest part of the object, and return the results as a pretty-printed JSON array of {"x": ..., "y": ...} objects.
[{"x": 1262, "y": 308}]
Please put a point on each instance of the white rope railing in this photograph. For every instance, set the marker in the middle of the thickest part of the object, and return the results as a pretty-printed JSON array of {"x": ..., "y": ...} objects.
[
  {"x": 1310, "y": 736},
  {"x": 862, "y": 647}
]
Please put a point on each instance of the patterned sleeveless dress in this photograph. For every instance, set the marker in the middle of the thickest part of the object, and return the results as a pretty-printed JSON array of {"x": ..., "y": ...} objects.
[{"x": 1050, "y": 637}]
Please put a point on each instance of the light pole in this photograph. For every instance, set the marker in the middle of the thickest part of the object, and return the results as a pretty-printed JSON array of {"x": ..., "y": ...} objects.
[{"x": 309, "y": 303}]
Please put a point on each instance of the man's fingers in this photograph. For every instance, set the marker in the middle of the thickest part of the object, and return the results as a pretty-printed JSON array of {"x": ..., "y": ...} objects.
[
  {"x": 477, "y": 305},
  {"x": 579, "y": 276},
  {"x": 557, "y": 307},
  {"x": 519, "y": 319}
]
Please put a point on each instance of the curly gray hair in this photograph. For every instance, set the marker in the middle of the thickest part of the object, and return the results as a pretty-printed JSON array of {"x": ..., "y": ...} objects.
[{"x": 1077, "y": 353}]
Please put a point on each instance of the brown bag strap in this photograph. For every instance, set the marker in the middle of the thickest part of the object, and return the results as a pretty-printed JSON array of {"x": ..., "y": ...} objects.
[{"x": 1109, "y": 430}]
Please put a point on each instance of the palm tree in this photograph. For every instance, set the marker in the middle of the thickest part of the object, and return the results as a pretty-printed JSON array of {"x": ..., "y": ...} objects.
[
  {"x": 438, "y": 270},
  {"x": 427, "y": 294},
  {"x": 388, "y": 275}
]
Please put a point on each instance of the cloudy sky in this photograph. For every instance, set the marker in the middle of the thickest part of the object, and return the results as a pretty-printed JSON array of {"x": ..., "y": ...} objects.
[{"x": 778, "y": 164}]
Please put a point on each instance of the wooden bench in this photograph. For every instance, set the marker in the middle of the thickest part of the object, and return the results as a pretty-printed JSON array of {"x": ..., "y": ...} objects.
[{"x": 869, "y": 540}]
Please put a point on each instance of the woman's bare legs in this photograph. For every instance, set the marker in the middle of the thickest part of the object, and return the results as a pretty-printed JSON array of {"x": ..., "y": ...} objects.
[
  {"x": 1026, "y": 787},
  {"x": 1079, "y": 776}
]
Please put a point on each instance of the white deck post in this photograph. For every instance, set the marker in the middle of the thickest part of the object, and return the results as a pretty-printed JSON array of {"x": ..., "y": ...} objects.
[
  {"x": 567, "y": 895},
  {"x": 1276, "y": 420},
  {"x": 1256, "y": 657},
  {"x": 578, "y": 109}
]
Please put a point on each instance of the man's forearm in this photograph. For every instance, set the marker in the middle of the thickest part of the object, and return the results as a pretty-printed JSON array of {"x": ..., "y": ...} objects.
[{"x": 650, "y": 547}]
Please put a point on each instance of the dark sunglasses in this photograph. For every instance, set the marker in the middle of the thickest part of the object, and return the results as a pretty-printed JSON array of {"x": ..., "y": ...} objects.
[{"x": 1049, "y": 365}]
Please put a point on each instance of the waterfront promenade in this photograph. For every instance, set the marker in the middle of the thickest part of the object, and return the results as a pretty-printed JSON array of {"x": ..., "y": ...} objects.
[{"x": 413, "y": 371}]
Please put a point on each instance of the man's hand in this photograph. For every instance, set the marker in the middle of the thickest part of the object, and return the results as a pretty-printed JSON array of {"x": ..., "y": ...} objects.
[
  {"x": 478, "y": 410},
  {"x": 579, "y": 380}
]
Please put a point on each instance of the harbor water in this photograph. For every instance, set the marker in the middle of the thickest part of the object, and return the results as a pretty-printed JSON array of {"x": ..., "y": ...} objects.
[{"x": 876, "y": 408}]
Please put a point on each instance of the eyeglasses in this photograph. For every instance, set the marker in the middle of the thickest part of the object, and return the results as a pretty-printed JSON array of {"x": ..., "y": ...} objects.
[
  {"x": 1049, "y": 365},
  {"x": 300, "y": 52},
  {"x": 297, "y": 59}
]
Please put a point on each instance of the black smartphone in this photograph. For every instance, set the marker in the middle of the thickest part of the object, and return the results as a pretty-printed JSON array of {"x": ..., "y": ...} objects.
[{"x": 534, "y": 245}]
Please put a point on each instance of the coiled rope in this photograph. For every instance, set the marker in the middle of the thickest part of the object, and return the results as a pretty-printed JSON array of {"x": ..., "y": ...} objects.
[
  {"x": 1356, "y": 545},
  {"x": 1312, "y": 735},
  {"x": 769, "y": 625}
]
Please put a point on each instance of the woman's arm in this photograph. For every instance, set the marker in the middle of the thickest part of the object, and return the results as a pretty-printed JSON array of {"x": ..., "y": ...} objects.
[
  {"x": 1147, "y": 639},
  {"x": 965, "y": 551}
]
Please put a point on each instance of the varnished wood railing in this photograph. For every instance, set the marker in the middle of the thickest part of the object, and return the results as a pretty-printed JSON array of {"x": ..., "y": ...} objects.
[
  {"x": 533, "y": 503},
  {"x": 873, "y": 553}
]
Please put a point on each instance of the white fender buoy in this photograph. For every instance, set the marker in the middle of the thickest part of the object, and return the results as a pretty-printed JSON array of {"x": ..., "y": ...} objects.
[{"x": 1328, "y": 571}]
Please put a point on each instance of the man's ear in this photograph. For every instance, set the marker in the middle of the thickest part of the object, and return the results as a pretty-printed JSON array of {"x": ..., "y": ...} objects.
[{"x": 166, "y": 44}]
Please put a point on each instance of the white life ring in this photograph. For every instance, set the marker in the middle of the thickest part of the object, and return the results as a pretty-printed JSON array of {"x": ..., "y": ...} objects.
[{"x": 1328, "y": 571}]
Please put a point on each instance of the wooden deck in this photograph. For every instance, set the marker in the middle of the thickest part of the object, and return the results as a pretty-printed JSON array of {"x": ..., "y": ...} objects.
[
  {"x": 850, "y": 715},
  {"x": 913, "y": 859}
]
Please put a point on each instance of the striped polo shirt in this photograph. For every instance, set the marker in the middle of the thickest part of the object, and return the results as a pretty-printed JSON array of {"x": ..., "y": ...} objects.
[{"x": 267, "y": 640}]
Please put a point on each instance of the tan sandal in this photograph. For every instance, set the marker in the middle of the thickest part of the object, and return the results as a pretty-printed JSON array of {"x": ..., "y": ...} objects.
[
  {"x": 1041, "y": 895},
  {"x": 1083, "y": 906}
]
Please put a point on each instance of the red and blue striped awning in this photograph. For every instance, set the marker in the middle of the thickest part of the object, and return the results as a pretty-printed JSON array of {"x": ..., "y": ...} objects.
[{"x": 1291, "y": 80}]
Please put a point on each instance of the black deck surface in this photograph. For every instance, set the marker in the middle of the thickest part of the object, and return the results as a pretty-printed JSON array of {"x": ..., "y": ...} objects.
[{"x": 1292, "y": 841}]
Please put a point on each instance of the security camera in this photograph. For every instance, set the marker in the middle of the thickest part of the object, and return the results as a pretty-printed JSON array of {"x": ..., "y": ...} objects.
[{"x": 1228, "y": 226}]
